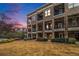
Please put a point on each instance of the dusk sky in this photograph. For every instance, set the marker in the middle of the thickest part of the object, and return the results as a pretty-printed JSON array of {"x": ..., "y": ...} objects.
[{"x": 19, "y": 11}]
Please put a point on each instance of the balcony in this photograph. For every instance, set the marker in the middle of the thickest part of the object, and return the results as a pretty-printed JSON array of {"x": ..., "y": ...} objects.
[
  {"x": 29, "y": 21},
  {"x": 40, "y": 26},
  {"x": 29, "y": 35},
  {"x": 59, "y": 9},
  {"x": 29, "y": 26},
  {"x": 33, "y": 18},
  {"x": 33, "y": 28},
  {"x": 34, "y": 36},
  {"x": 40, "y": 35},
  {"x": 73, "y": 21},
  {"x": 29, "y": 30},
  {"x": 40, "y": 16},
  {"x": 48, "y": 25},
  {"x": 59, "y": 34},
  {"x": 59, "y": 23}
]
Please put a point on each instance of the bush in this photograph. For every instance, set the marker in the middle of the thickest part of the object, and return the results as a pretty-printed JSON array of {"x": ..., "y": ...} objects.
[
  {"x": 42, "y": 39},
  {"x": 27, "y": 39},
  {"x": 71, "y": 40},
  {"x": 58, "y": 40},
  {"x": 63, "y": 40},
  {"x": 6, "y": 40},
  {"x": 52, "y": 40}
]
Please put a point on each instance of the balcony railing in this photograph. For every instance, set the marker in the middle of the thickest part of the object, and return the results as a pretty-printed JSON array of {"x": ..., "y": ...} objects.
[{"x": 33, "y": 30}]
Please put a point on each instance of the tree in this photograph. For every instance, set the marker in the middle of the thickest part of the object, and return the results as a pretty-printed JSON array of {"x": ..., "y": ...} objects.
[{"x": 5, "y": 25}]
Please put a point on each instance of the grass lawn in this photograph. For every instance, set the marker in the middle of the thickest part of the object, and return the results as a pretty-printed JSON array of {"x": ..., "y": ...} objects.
[{"x": 31, "y": 47}]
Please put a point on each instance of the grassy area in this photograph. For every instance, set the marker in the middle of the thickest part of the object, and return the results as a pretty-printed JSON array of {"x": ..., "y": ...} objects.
[{"x": 31, "y": 47}]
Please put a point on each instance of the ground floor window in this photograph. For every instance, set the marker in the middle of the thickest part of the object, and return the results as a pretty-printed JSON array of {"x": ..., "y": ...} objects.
[
  {"x": 34, "y": 36},
  {"x": 59, "y": 34},
  {"x": 74, "y": 34},
  {"x": 40, "y": 35},
  {"x": 29, "y": 35},
  {"x": 48, "y": 35}
]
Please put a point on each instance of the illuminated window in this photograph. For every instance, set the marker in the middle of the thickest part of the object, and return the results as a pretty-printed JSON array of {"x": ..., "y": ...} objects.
[{"x": 47, "y": 12}]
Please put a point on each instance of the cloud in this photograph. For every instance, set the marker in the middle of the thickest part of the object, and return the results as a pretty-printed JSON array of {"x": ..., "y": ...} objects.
[{"x": 14, "y": 9}]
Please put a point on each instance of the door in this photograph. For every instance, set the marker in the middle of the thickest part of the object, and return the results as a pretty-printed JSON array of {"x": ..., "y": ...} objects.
[{"x": 77, "y": 36}]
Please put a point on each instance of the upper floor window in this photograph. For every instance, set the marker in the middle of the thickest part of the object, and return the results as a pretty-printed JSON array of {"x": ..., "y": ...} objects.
[
  {"x": 74, "y": 22},
  {"x": 47, "y": 12},
  {"x": 76, "y": 4},
  {"x": 60, "y": 25},
  {"x": 59, "y": 9},
  {"x": 40, "y": 16},
  {"x": 33, "y": 18},
  {"x": 72, "y": 5},
  {"x": 29, "y": 21}
]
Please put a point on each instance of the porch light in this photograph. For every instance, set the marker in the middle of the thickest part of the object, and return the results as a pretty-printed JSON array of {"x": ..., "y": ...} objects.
[{"x": 47, "y": 26}]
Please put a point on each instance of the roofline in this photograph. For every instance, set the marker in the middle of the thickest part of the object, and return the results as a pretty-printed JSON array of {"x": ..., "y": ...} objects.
[{"x": 46, "y": 4}]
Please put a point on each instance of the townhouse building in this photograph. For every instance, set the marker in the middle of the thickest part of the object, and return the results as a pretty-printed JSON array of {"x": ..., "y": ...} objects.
[{"x": 57, "y": 20}]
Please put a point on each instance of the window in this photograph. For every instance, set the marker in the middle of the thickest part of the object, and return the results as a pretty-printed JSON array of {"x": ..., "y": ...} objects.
[
  {"x": 61, "y": 35},
  {"x": 29, "y": 21},
  {"x": 33, "y": 18},
  {"x": 60, "y": 25},
  {"x": 29, "y": 35},
  {"x": 74, "y": 23},
  {"x": 59, "y": 9},
  {"x": 47, "y": 12},
  {"x": 72, "y": 5},
  {"x": 47, "y": 27},
  {"x": 76, "y": 4}
]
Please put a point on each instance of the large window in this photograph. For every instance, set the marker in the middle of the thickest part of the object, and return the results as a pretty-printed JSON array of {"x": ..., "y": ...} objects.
[
  {"x": 72, "y": 5},
  {"x": 76, "y": 4},
  {"x": 59, "y": 34},
  {"x": 47, "y": 12},
  {"x": 48, "y": 25},
  {"x": 29, "y": 35},
  {"x": 29, "y": 20},
  {"x": 60, "y": 25},
  {"x": 73, "y": 21},
  {"x": 40, "y": 16},
  {"x": 33, "y": 18},
  {"x": 59, "y": 9}
]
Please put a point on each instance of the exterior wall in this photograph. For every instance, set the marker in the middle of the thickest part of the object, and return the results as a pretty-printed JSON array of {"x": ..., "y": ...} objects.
[{"x": 52, "y": 18}]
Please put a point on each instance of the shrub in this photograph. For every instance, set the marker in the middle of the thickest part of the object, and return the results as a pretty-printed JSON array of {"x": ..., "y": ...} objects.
[
  {"x": 25, "y": 39},
  {"x": 58, "y": 40},
  {"x": 42, "y": 39},
  {"x": 6, "y": 40},
  {"x": 52, "y": 40},
  {"x": 72, "y": 40},
  {"x": 45, "y": 39}
]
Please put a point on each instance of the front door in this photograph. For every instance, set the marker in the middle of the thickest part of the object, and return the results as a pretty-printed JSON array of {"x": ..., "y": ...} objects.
[
  {"x": 77, "y": 36},
  {"x": 49, "y": 35}
]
